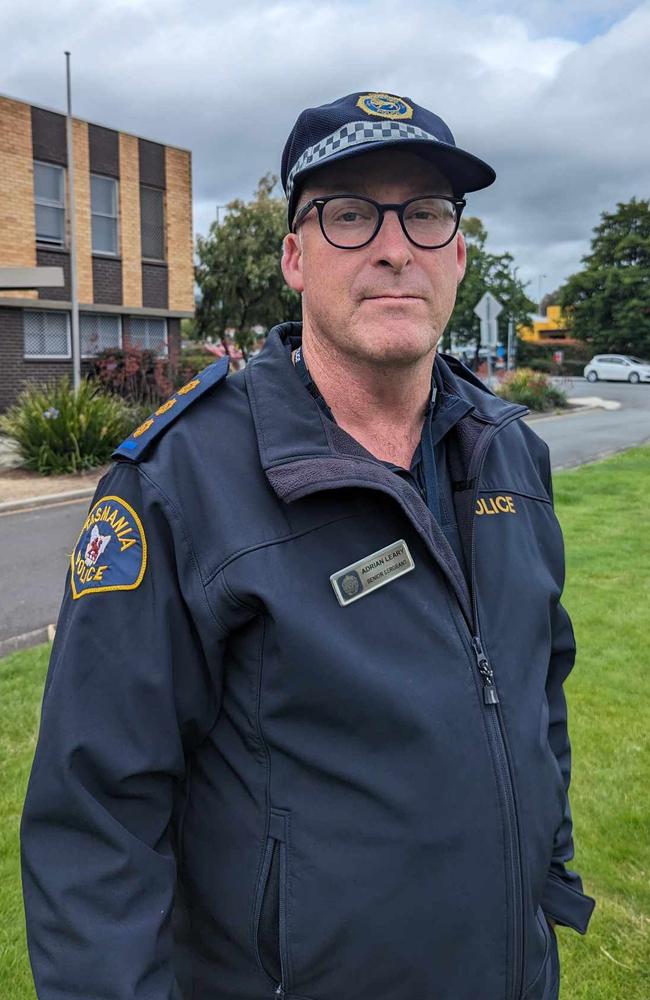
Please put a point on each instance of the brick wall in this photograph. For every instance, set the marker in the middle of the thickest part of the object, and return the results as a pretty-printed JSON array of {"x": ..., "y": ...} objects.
[
  {"x": 81, "y": 156},
  {"x": 154, "y": 286},
  {"x": 152, "y": 163},
  {"x": 48, "y": 136},
  {"x": 55, "y": 258},
  {"x": 107, "y": 281},
  {"x": 17, "y": 221},
  {"x": 14, "y": 370},
  {"x": 178, "y": 172},
  {"x": 104, "y": 148},
  {"x": 130, "y": 221},
  {"x": 174, "y": 341}
]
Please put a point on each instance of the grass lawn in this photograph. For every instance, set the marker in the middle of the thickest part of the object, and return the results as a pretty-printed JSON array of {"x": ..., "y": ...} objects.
[{"x": 604, "y": 512}]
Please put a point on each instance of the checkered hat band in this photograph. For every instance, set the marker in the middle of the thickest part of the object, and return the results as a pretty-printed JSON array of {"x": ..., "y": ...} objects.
[{"x": 353, "y": 134}]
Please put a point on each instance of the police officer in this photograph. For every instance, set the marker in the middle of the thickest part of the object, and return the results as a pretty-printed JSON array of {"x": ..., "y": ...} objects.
[{"x": 304, "y": 731}]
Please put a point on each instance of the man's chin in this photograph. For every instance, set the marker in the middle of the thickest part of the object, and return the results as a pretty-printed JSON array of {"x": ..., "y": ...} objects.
[{"x": 394, "y": 343}]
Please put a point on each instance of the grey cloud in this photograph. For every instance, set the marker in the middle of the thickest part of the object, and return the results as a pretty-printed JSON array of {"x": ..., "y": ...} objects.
[{"x": 561, "y": 118}]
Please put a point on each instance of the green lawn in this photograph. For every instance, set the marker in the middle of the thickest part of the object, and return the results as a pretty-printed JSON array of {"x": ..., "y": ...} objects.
[{"x": 604, "y": 512}]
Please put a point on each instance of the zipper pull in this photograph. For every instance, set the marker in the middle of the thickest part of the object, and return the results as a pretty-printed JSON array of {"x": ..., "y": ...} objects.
[
  {"x": 279, "y": 992},
  {"x": 490, "y": 696}
]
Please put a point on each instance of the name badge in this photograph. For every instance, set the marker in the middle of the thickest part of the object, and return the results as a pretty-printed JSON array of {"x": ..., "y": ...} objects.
[{"x": 366, "y": 575}]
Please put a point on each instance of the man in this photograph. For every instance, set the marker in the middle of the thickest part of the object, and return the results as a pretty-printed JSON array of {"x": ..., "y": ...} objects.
[{"x": 304, "y": 732}]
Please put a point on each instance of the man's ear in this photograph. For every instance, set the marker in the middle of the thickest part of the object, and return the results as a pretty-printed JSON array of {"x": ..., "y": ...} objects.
[
  {"x": 461, "y": 257},
  {"x": 292, "y": 262}
]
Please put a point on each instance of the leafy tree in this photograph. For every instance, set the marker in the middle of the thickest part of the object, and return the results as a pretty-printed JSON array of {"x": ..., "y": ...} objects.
[
  {"x": 608, "y": 302},
  {"x": 238, "y": 269},
  {"x": 486, "y": 272}
]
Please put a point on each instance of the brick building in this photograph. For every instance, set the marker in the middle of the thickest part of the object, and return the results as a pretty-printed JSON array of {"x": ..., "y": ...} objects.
[{"x": 133, "y": 209}]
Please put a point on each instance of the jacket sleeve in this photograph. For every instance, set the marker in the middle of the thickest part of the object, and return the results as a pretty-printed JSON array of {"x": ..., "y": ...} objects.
[
  {"x": 133, "y": 685},
  {"x": 563, "y": 898}
]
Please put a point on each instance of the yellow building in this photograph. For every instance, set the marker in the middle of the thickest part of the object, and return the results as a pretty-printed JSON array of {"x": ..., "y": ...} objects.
[
  {"x": 134, "y": 254},
  {"x": 550, "y": 327}
]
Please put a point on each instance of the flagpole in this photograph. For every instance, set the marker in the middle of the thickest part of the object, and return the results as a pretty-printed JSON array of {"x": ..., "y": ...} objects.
[{"x": 74, "y": 297}]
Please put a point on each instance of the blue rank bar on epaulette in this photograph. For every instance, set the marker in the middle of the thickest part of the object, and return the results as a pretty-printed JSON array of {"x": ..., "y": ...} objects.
[{"x": 167, "y": 412}]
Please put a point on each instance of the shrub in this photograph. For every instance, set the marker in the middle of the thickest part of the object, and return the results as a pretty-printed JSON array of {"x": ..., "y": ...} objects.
[
  {"x": 140, "y": 377},
  {"x": 59, "y": 430},
  {"x": 531, "y": 389},
  {"x": 192, "y": 361}
]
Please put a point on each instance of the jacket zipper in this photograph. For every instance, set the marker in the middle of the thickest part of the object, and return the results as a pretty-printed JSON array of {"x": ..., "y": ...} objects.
[{"x": 497, "y": 743}]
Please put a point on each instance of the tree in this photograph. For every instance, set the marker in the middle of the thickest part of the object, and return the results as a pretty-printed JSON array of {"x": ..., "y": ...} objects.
[
  {"x": 608, "y": 302},
  {"x": 486, "y": 272},
  {"x": 238, "y": 270}
]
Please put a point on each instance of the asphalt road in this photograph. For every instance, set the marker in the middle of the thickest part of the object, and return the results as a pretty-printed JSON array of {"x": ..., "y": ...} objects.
[
  {"x": 35, "y": 545},
  {"x": 585, "y": 437}
]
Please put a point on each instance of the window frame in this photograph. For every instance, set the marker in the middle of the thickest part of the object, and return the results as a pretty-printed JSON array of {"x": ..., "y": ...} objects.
[
  {"x": 103, "y": 215},
  {"x": 120, "y": 327},
  {"x": 48, "y": 203},
  {"x": 49, "y": 357},
  {"x": 161, "y": 192},
  {"x": 147, "y": 319}
]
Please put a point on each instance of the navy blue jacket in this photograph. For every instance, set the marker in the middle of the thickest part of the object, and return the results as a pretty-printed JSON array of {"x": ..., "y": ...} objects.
[{"x": 244, "y": 788}]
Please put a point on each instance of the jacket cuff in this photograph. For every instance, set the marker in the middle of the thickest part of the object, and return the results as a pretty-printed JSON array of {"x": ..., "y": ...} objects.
[{"x": 565, "y": 904}]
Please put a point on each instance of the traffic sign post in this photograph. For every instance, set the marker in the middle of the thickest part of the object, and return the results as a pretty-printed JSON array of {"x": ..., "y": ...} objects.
[{"x": 487, "y": 310}]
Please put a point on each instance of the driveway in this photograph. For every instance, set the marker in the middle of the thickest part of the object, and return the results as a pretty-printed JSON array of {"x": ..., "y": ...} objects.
[{"x": 585, "y": 437}]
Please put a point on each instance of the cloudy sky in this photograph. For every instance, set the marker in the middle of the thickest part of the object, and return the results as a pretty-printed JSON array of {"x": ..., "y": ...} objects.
[{"x": 555, "y": 95}]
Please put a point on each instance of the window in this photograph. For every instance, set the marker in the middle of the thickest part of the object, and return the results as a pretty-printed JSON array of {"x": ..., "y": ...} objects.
[
  {"x": 148, "y": 333},
  {"x": 98, "y": 332},
  {"x": 49, "y": 200},
  {"x": 46, "y": 334},
  {"x": 152, "y": 224},
  {"x": 103, "y": 201}
]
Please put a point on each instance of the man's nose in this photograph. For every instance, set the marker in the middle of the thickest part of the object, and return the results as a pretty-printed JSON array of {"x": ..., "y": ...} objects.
[{"x": 391, "y": 246}]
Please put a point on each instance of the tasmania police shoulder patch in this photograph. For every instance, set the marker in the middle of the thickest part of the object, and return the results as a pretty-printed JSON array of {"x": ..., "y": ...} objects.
[
  {"x": 167, "y": 412},
  {"x": 111, "y": 552}
]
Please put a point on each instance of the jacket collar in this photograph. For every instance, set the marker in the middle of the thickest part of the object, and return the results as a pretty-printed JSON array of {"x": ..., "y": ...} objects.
[
  {"x": 290, "y": 425},
  {"x": 302, "y": 452}
]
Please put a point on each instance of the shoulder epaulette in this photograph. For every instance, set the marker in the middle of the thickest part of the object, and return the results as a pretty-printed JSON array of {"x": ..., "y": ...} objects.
[{"x": 133, "y": 446}]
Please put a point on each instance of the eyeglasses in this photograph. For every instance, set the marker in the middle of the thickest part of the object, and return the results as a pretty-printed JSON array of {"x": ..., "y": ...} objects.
[{"x": 350, "y": 221}]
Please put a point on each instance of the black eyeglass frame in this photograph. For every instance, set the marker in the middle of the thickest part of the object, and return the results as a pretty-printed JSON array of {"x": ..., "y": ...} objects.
[{"x": 382, "y": 208}]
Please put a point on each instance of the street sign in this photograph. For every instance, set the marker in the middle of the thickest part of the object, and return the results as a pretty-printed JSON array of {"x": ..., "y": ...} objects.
[{"x": 487, "y": 311}]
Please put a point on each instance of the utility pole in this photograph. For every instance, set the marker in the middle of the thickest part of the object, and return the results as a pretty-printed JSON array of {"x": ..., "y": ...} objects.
[
  {"x": 511, "y": 343},
  {"x": 74, "y": 295}
]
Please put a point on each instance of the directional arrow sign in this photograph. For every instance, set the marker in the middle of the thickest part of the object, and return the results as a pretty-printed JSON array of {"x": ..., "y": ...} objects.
[{"x": 487, "y": 311}]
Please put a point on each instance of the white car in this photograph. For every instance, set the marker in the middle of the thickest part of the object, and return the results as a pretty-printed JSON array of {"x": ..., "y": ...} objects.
[{"x": 617, "y": 368}]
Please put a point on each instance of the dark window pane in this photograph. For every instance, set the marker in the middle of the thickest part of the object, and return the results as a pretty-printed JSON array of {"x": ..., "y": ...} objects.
[{"x": 152, "y": 226}]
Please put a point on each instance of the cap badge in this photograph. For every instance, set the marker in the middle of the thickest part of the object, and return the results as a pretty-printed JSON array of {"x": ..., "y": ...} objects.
[{"x": 385, "y": 106}]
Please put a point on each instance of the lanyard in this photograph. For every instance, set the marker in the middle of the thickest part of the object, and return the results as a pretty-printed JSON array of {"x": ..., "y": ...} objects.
[{"x": 429, "y": 470}]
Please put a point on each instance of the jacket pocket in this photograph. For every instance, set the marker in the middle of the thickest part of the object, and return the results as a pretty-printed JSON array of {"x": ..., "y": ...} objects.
[
  {"x": 538, "y": 988},
  {"x": 270, "y": 914}
]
